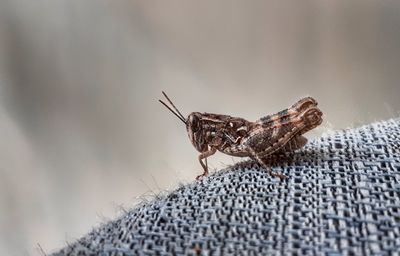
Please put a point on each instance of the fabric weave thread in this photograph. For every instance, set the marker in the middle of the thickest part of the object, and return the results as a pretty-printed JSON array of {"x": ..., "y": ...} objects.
[{"x": 342, "y": 197}]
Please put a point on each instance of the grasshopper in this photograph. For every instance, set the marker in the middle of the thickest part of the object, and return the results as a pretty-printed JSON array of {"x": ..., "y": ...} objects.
[{"x": 269, "y": 136}]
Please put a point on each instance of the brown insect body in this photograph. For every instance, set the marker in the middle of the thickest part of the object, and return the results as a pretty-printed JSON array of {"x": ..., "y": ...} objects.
[
  {"x": 221, "y": 132},
  {"x": 273, "y": 134}
]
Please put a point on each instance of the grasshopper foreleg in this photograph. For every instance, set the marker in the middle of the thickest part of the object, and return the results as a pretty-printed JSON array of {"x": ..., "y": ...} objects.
[{"x": 202, "y": 156}]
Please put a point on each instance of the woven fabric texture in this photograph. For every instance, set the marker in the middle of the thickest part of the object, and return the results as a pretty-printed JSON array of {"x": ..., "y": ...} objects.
[{"x": 342, "y": 197}]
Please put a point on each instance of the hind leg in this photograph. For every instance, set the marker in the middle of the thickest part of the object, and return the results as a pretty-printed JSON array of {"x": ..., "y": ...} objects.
[{"x": 267, "y": 166}]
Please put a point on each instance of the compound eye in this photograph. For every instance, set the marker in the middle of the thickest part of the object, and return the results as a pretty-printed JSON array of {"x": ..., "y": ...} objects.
[{"x": 194, "y": 123}]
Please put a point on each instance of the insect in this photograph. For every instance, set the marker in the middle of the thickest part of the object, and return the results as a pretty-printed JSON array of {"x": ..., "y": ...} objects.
[{"x": 270, "y": 135}]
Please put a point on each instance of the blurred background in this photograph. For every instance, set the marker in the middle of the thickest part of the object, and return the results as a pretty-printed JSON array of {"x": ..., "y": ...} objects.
[{"x": 82, "y": 134}]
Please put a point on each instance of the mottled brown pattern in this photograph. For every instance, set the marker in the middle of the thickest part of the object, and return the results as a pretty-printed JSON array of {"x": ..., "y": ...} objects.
[{"x": 272, "y": 134}]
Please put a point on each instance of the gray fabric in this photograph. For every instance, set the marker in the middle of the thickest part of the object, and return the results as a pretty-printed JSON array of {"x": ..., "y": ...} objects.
[{"x": 342, "y": 197}]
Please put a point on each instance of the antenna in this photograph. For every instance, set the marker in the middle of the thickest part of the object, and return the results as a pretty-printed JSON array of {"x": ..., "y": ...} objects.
[
  {"x": 170, "y": 102},
  {"x": 177, "y": 113}
]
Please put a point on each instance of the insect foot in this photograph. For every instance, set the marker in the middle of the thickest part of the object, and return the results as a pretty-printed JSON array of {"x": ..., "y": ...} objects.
[
  {"x": 279, "y": 175},
  {"x": 199, "y": 177}
]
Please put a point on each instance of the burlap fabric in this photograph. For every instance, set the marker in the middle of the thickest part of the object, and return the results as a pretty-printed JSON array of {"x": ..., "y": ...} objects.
[{"x": 342, "y": 197}]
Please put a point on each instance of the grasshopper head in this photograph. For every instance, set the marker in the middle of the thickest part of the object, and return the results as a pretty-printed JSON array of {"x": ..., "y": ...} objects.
[
  {"x": 193, "y": 125},
  {"x": 195, "y": 131}
]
